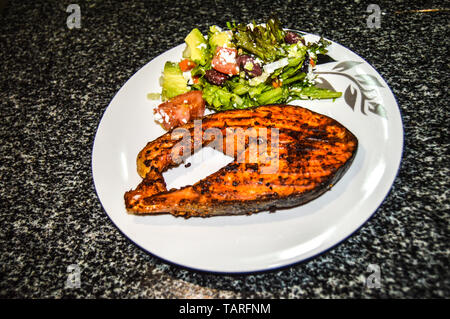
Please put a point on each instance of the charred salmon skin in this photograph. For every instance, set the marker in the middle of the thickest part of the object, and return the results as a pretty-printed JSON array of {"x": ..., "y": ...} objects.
[{"x": 300, "y": 155}]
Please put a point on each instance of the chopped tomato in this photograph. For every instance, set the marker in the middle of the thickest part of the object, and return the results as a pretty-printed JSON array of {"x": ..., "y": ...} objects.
[
  {"x": 186, "y": 65},
  {"x": 277, "y": 83},
  {"x": 312, "y": 62},
  {"x": 180, "y": 109},
  {"x": 224, "y": 61},
  {"x": 196, "y": 79}
]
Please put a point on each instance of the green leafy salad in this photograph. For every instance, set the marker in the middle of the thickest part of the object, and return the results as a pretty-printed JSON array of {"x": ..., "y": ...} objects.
[{"x": 246, "y": 65}]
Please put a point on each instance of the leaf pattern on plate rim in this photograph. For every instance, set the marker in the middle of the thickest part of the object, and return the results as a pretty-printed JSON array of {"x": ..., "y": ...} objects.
[
  {"x": 365, "y": 84},
  {"x": 350, "y": 97},
  {"x": 324, "y": 84},
  {"x": 378, "y": 109},
  {"x": 368, "y": 80},
  {"x": 346, "y": 65}
]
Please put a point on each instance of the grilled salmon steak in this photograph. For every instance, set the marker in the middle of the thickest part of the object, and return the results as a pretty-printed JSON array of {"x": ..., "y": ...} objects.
[{"x": 284, "y": 156}]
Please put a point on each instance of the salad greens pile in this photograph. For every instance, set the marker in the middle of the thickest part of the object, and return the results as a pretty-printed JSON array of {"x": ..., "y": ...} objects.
[{"x": 247, "y": 65}]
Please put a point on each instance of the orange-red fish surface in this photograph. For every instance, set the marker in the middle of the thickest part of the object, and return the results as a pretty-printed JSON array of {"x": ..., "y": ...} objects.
[{"x": 300, "y": 155}]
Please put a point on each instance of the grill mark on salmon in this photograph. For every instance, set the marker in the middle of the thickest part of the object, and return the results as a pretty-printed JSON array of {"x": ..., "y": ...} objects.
[{"x": 314, "y": 152}]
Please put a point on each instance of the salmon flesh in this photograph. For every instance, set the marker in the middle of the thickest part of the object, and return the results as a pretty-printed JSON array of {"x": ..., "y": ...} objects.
[{"x": 284, "y": 156}]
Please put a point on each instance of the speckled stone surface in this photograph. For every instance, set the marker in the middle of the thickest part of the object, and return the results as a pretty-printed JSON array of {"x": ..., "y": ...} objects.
[{"x": 55, "y": 84}]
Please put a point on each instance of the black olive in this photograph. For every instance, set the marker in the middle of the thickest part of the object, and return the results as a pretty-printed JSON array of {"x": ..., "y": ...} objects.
[
  {"x": 291, "y": 38},
  {"x": 215, "y": 77},
  {"x": 305, "y": 65},
  {"x": 249, "y": 65}
]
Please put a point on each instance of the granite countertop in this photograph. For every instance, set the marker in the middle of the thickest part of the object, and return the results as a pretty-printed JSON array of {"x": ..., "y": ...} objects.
[{"x": 56, "y": 83}]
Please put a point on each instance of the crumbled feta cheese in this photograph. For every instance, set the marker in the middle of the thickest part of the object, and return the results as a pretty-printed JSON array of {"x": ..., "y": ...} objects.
[
  {"x": 268, "y": 70},
  {"x": 157, "y": 117},
  {"x": 310, "y": 76},
  {"x": 228, "y": 56},
  {"x": 271, "y": 67},
  {"x": 187, "y": 75},
  {"x": 312, "y": 55},
  {"x": 161, "y": 116}
]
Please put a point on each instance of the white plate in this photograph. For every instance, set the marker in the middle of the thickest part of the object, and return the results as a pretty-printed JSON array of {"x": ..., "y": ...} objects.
[{"x": 263, "y": 241}]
